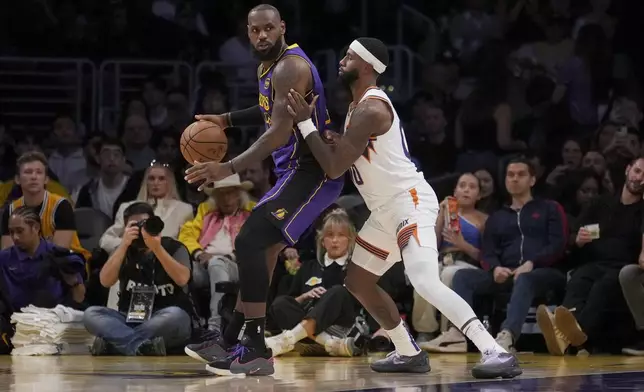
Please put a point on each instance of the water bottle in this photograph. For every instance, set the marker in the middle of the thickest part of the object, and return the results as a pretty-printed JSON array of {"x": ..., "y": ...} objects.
[{"x": 486, "y": 323}]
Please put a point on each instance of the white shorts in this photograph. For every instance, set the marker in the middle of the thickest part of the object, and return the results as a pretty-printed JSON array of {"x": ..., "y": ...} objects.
[{"x": 410, "y": 216}]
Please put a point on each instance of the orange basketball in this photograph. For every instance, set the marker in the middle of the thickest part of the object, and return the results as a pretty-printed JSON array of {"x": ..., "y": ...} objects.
[{"x": 203, "y": 141}]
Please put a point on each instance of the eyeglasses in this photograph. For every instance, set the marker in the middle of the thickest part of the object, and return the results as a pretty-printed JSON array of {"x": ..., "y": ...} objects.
[{"x": 159, "y": 163}]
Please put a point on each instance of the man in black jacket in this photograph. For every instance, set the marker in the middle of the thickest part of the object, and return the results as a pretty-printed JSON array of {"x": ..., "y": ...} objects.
[
  {"x": 102, "y": 192},
  {"x": 520, "y": 243},
  {"x": 609, "y": 238}
]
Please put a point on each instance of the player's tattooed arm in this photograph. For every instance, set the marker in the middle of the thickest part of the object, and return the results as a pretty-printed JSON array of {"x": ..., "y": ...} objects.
[
  {"x": 371, "y": 118},
  {"x": 292, "y": 73}
]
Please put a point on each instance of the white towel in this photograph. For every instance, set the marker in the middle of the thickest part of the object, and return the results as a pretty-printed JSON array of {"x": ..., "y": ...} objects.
[
  {"x": 41, "y": 331},
  {"x": 68, "y": 315},
  {"x": 36, "y": 349},
  {"x": 60, "y": 313}
]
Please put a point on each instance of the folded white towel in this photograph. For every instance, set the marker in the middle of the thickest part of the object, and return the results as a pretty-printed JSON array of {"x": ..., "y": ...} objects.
[
  {"x": 36, "y": 349},
  {"x": 41, "y": 331}
]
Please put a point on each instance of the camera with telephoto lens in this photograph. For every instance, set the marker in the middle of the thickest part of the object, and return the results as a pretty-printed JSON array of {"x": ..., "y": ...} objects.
[{"x": 153, "y": 226}]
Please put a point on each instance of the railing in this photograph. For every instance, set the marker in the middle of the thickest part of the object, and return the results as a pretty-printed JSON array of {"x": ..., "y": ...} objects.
[
  {"x": 34, "y": 90},
  {"x": 240, "y": 80},
  {"x": 409, "y": 16},
  {"x": 398, "y": 80},
  {"x": 364, "y": 18},
  {"x": 122, "y": 80}
]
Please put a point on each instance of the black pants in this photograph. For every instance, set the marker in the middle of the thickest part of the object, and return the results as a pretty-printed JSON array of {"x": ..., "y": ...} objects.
[
  {"x": 593, "y": 289},
  {"x": 335, "y": 307}
]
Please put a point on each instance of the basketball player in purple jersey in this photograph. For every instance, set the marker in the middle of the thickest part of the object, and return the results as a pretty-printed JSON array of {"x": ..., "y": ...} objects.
[{"x": 302, "y": 192}]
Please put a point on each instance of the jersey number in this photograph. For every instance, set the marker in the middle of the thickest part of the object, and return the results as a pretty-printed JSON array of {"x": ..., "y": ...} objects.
[{"x": 355, "y": 175}]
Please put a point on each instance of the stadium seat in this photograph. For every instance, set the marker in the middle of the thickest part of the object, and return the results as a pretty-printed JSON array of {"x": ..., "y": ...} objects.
[{"x": 90, "y": 226}]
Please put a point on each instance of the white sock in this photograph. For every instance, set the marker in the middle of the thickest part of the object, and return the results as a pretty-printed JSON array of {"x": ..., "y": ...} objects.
[
  {"x": 476, "y": 332},
  {"x": 402, "y": 340},
  {"x": 421, "y": 264},
  {"x": 299, "y": 332},
  {"x": 322, "y": 338}
]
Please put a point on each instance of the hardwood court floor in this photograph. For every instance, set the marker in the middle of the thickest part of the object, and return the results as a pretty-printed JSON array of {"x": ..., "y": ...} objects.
[{"x": 449, "y": 373}]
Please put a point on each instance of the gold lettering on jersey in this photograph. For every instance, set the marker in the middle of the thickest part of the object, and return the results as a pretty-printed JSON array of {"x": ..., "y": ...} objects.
[
  {"x": 264, "y": 102},
  {"x": 267, "y": 119}
]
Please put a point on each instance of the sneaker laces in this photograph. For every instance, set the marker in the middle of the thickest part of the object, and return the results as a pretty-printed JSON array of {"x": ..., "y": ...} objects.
[
  {"x": 560, "y": 335},
  {"x": 487, "y": 354},
  {"x": 239, "y": 351},
  {"x": 210, "y": 335},
  {"x": 207, "y": 343},
  {"x": 280, "y": 342},
  {"x": 394, "y": 353},
  {"x": 492, "y": 353},
  {"x": 334, "y": 346}
]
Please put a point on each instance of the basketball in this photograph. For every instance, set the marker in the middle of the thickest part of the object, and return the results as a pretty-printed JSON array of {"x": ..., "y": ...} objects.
[{"x": 203, "y": 141}]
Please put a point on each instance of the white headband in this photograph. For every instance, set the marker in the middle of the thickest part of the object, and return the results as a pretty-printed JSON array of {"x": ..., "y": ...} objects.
[{"x": 366, "y": 55}]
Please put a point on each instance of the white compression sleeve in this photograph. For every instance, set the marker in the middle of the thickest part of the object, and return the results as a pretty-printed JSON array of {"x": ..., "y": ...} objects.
[{"x": 421, "y": 264}]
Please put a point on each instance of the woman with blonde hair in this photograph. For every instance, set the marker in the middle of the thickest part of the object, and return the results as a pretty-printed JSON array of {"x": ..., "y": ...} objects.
[
  {"x": 318, "y": 299},
  {"x": 159, "y": 189}
]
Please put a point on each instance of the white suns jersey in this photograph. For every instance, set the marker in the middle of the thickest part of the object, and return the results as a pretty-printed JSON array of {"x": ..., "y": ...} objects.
[{"x": 385, "y": 169}]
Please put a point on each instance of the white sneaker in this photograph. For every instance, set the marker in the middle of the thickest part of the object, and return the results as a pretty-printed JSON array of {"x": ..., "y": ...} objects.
[
  {"x": 450, "y": 341},
  {"x": 337, "y": 347},
  {"x": 282, "y": 343},
  {"x": 424, "y": 337},
  {"x": 505, "y": 340}
]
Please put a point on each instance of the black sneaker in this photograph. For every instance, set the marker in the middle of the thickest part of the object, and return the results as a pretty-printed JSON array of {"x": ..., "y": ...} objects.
[
  {"x": 396, "y": 363},
  {"x": 210, "y": 350},
  {"x": 99, "y": 347},
  {"x": 497, "y": 365},
  {"x": 244, "y": 360},
  {"x": 635, "y": 350},
  {"x": 152, "y": 348}
]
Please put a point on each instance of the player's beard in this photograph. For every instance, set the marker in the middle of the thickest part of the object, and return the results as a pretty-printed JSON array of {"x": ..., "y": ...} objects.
[
  {"x": 270, "y": 54},
  {"x": 348, "y": 78},
  {"x": 634, "y": 187}
]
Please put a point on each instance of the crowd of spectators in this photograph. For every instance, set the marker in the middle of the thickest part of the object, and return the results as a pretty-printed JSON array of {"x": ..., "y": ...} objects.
[{"x": 530, "y": 115}]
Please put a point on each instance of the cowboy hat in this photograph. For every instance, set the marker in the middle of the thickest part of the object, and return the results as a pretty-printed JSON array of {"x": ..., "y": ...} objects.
[{"x": 230, "y": 182}]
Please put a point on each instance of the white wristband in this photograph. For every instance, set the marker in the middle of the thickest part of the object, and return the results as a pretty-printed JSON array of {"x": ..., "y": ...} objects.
[{"x": 306, "y": 127}]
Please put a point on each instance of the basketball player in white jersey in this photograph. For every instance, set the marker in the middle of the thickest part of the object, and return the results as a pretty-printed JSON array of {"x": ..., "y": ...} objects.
[{"x": 403, "y": 208}]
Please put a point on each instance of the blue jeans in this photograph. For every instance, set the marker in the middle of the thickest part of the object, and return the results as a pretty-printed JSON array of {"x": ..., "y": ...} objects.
[
  {"x": 528, "y": 286},
  {"x": 173, "y": 324}
]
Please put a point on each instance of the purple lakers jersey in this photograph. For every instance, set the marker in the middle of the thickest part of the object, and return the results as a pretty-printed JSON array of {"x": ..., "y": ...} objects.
[{"x": 295, "y": 153}]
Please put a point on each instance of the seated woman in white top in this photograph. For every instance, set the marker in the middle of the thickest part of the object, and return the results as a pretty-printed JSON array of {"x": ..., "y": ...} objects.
[{"x": 159, "y": 189}]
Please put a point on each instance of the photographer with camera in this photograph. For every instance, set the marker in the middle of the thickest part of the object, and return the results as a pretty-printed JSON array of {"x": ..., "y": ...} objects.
[{"x": 154, "y": 308}]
